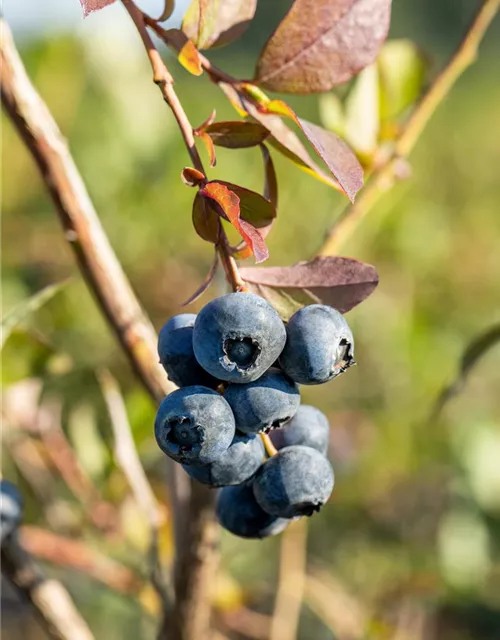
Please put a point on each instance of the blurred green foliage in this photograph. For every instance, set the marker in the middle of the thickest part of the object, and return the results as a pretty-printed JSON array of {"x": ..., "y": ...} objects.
[{"x": 415, "y": 516}]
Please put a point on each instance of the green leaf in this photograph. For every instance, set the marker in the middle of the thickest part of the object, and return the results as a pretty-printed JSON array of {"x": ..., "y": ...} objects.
[
  {"x": 362, "y": 119},
  {"x": 215, "y": 23},
  {"x": 331, "y": 113},
  {"x": 402, "y": 69},
  {"x": 321, "y": 44},
  {"x": 237, "y": 134},
  {"x": 26, "y": 308}
]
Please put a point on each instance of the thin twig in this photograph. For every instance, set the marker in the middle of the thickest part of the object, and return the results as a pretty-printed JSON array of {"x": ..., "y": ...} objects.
[
  {"x": 384, "y": 176},
  {"x": 291, "y": 582},
  {"x": 75, "y": 554},
  {"x": 52, "y": 603},
  {"x": 163, "y": 78},
  {"x": 128, "y": 460},
  {"x": 83, "y": 230}
]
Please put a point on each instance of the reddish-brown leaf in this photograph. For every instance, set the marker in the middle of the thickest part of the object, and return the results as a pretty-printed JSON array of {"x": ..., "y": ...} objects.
[
  {"x": 205, "y": 219},
  {"x": 323, "y": 43},
  {"x": 270, "y": 179},
  {"x": 192, "y": 177},
  {"x": 336, "y": 154},
  {"x": 168, "y": 9},
  {"x": 229, "y": 202},
  {"x": 206, "y": 282},
  {"x": 187, "y": 53},
  {"x": 254, "y": 208},
  {"x": 209, "y": 144},
  {"x": 282, "y": 137},
  {"x": 94, "y": 5},
  {"x": 215, "y": 23},
  {"x": 237, "y": 134},
  {"x": 339, "y": 282}
]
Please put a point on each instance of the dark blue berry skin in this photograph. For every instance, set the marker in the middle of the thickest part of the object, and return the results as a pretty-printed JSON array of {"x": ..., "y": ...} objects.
[
  {"x": 296, "y": 481},
  {"x": 11, "y": 508},
  {"x": 308, "y": 427},
  {"x": 238, "y": 512},
  {"x": 236, "y": 465},
  {"x": 175, "y": 349},
  {"x": 194, "y": 425},
  {"x": 237, "y": 337},
  {"x": 264, "y": 404},
  {"x": 319, "y": 345}
]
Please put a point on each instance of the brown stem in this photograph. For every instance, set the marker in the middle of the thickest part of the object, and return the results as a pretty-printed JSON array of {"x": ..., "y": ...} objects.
[
  {"x": 384, "y": 176},
  {"x": 52, "y": 603}
]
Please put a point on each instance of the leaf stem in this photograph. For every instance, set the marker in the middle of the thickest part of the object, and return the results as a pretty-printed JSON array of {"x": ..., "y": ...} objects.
[{"x": 385, "y": 175}]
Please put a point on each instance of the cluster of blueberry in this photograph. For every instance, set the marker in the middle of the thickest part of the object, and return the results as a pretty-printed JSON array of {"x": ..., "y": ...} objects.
[{"x": 238, "y": 365}]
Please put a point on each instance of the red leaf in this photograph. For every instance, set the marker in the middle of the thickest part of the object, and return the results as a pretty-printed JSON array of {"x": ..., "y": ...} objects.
[
  {"x": 205, "y": 219},
  {"x": 229, "y": 202},
  {"x": 336, "y": 154},
  {"x": 236, "y": 134},
  {"x": 254, "y": 208},
  {"x": 323, "y": 43},
  {"x": 94, "y": 5},
  {"x": 339, "y": 282},
  {"x": 214, "y": 23},
  {"x": 271, "y": 181}
]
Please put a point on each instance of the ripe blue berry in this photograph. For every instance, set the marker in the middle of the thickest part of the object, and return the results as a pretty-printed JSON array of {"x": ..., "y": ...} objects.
[
  {"x": 234, "y": 466},
  {"x": 237, "y": 337},
  {"x": 194, "y": 425},
  {"x": 264, "y": 404},
  {"x": 11, "y": 508},
  {"x": 319, "y": 345},
  {"x": 296, "y": 481},
  {"x": 308, "y": 427},
  {"x": 238, "y": 512},
  {"x": 175, "y": 349}
]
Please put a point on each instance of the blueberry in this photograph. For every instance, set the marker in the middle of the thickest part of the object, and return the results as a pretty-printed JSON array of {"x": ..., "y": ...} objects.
[
  {"x": 296, "y": 481},
  {"x": 238, "y": 512},
  {"x": 264, "y": 404},
  {"x": 175, "y": 348},
  {"x": 319, "y": 345},
  {"x": 308, "y": 427},
  {"x": 11, "y": 508},
  {"x": 237, "y": 337},
  {"x": 194, "y": 425},
  {"x": 234, "y": 466}
]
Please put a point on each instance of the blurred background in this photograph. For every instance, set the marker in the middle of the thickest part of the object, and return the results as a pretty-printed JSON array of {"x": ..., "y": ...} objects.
[{"x": 410, "y": 542}]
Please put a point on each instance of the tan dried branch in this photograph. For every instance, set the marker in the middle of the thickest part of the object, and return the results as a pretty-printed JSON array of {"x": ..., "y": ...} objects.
[
  {"x": 52, "y": 603},
  {"x": 291, "y": 582},
  {"x": 128, "y": 460},
  {"x": 75, "y": 554},
  {"x": 385, "y": 174},
  {"x": 93, "y": 252}
]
